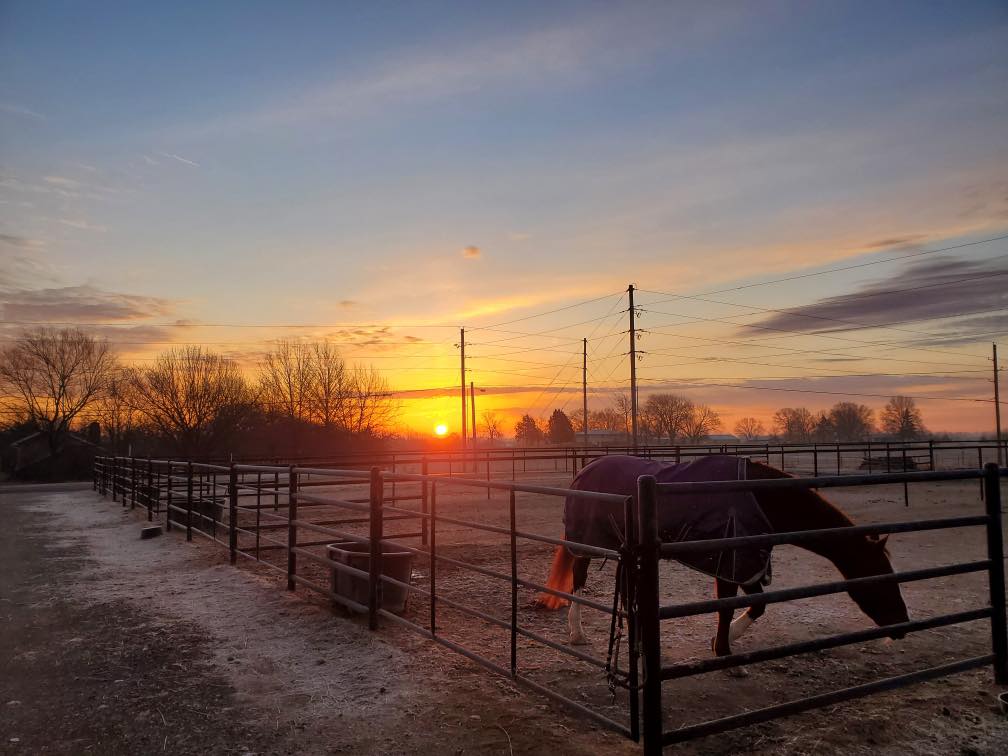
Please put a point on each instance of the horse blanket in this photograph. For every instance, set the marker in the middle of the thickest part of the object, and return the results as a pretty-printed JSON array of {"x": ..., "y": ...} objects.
[{"x": 681, "y": 517}]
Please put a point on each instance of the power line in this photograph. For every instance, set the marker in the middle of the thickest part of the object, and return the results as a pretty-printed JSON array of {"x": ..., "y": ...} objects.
[
  {"x": 856, "y": 265},
  {"x": 867, "y": 326},
  {"x": 548, "y": 312},
  {"x": 694, "y": 384},
  {"x": 697, "y": 318}
]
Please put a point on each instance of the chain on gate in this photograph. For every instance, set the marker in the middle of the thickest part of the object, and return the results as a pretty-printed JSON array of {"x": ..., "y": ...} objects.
[{"x": 623, "y": 603}]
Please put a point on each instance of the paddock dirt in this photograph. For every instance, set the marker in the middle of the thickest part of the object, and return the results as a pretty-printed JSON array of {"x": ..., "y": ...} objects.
[{"x": 111, "y": 644}]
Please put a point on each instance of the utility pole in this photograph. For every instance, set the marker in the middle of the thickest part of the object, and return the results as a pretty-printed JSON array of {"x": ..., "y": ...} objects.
[
  {"x": 472, "y": 403},
  {"x": 633, "y": 371},
  {"x": 997, "y": 411},
  {"x": 462, "y": 347},
  {"x": 584, "y": 391}
]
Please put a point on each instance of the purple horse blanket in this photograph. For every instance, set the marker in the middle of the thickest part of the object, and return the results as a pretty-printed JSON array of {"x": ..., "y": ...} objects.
[{"x": 681, "y": 517}]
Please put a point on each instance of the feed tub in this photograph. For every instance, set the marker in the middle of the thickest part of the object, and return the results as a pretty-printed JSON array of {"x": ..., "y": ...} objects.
[{"x": 396, "y": 563}]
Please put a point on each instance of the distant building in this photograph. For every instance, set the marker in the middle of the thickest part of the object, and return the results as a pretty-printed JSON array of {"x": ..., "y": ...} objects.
[{"x": 30, "y": 457}]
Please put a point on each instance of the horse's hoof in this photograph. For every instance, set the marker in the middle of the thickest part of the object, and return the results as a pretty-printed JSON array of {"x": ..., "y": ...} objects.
[
  {"x": 578, "y": 640},
  {"x": 737, "y": 672}
]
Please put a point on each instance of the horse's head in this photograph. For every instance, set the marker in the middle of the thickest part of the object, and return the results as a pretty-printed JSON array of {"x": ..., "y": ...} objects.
[{"x": 883, "y": 603}]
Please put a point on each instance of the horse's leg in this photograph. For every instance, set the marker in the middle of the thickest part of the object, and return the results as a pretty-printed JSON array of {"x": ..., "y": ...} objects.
[
  {"x": 753, "y": 613},
  {"x": 577, "y": 636},
  {"x": 721, "y": 644}
]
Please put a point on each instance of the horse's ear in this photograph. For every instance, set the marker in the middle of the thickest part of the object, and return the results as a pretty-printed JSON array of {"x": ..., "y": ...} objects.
[{"x": 883, "y": 541}]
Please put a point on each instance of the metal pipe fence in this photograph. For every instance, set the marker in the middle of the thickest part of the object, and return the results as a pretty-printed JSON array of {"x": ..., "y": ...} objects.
[
  {"x": 283, "y": 518},
  {"x": 246, "y": 508},
  {"x": 651, "y": 613}
]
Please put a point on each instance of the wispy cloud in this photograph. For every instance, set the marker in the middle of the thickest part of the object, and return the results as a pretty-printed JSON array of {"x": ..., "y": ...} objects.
[
  {"x": 84, "y": 303},
  {"x": 21, "y": 111},
  {"x": 526, "y": 60},
  {"x": 24, "y": 242},
  {"x": 81, "y": 224},
  {"x": 963, "y": 293},
  {"x": 179, "y": 158}
]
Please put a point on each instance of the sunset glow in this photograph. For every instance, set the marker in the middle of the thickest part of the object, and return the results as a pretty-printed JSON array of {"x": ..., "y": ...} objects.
[{"x": 514, "y": 185}]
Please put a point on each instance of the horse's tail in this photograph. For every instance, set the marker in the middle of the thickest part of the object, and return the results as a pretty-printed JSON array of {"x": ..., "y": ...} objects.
[{"x": 561, "y": 578}]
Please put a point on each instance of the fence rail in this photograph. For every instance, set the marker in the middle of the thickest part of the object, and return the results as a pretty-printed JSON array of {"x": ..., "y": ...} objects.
[
  {"x": 652, "y": 613},
  {"x": 280, "y": 516}
]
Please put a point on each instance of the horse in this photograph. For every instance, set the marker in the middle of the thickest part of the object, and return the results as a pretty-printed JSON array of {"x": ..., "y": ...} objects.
[{"x": 784, "y": 509}]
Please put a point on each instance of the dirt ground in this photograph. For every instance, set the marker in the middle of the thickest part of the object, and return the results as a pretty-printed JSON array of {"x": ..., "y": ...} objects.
[{"x": 111, "y": 644}]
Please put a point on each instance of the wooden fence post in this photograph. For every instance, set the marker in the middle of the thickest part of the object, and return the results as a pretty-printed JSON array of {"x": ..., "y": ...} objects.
[{"x": 647, "y": 612}]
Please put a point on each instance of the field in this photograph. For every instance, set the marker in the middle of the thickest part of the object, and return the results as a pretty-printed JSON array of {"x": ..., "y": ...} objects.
[{"x": 290, "y": 676}]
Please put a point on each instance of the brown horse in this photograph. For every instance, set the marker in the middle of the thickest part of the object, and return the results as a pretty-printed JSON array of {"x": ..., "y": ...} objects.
[{"x": 785, "y": 510}]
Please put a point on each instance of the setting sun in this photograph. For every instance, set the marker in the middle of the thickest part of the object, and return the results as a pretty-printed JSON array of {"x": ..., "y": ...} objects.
[{"x": 440, "y": 430}]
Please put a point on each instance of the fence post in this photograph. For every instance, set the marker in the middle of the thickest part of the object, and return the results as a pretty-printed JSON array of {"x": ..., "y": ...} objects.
[
  {"x": 374, "y": 563},
  {"x": 995, "y": 553},
  {"x": 189, "y": 501},
  {"x": 514, "y": 587},
  {"x": 150, "y": 488},
  {"x": 980, "y": 464},
  {"x": 647, "y": 612},
  {"x": 292, "y": 482},
  {"x": 132, "y": 482},
  {"x": 630, "y": 580},
  {"x": 233, "y": 513},
  {"x": 815, "y": 460},
  {"x": 424, "y": 524},
  {"x": 931, "y": 454}
]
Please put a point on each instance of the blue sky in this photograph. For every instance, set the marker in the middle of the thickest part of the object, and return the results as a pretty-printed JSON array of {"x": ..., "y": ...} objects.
[{"x": 326, "y": 163}]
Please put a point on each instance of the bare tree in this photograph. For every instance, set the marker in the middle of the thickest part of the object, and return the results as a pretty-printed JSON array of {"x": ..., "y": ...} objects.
[
  {"x": 851, "y": 421},
  {"x": 55, "y": 375},
  {"x": 195, "y": 398},
  {"x": 901, "y": 418},
  {"x": 623, "y": 405},
  {"x": 607, "y": 419},
  {"x": 823, "y": 430},
  {"x": 286, "y": 380},
  {"x": 702, "y": 421},
  {"x": 115, "y": 410},
  {"x": 370, "y": 407},
  {"x": 329, "y": 386},
  {"x": 668, "y": 415},
  {"x": 794, "y": 423},
  {"x": 749, "y": 428},
  {"x": 492, "y": 424}
]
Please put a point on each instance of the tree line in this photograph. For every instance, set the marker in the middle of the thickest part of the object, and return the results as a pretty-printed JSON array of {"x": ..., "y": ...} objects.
[
  {"x": 193, "y": 401},
  {"x": 662, "y": 417},
  {"x": 899, "y": 419},
  {"x": 304, "y": 396}
]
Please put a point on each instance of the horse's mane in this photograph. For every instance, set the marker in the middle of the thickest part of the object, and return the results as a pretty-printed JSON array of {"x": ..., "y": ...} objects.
[{"x": 801, "y": 509}]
